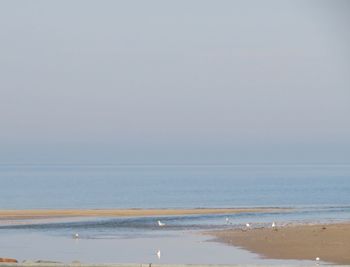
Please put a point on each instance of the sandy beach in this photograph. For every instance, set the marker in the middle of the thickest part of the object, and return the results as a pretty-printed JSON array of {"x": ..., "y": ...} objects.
[
  {"x": 55, "y": 213},
  {"x": 331, "y": 242}
]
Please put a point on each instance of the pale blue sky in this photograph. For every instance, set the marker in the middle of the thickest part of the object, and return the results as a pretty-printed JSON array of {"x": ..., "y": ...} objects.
[{"x": 174, "y": 81}]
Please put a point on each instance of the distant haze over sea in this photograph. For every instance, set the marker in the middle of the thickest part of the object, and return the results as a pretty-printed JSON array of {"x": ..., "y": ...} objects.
[{"x": 159, "y": 82}]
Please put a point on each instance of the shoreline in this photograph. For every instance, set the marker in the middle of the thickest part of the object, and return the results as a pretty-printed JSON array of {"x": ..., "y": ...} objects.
[
  {"x": 50, "y": 264},
  {"x": 329, "y": 242},
  {"x": 61, "y": 213}
]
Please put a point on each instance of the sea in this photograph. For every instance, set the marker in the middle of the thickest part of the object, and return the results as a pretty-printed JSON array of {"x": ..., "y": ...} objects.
[{"x": 311, "y": 193}]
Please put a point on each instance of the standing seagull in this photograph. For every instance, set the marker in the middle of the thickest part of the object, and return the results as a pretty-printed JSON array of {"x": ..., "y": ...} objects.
[
  {"x": 273, "y": 225},
  {"x": 247, "y": 225},
  {"x": 158, "y": 254},
  {"x": 161, "y": 224},
  {"x": 76, "y": 236},
  {"x": 227, "y": 220}
]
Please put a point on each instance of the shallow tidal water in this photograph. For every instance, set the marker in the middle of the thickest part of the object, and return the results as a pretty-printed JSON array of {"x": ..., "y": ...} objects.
[{"x": 175, "y": 248}]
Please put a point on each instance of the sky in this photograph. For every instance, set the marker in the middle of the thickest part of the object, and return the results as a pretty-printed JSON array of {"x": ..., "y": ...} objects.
[{"x": 174, "y": 82}]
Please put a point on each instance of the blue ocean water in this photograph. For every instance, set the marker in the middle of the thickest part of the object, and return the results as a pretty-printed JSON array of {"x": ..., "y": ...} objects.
[{"x": 173, "y": 186}]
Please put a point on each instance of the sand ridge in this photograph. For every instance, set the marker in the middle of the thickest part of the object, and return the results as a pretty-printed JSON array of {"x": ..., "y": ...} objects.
[{"x": 52, "y": 213}]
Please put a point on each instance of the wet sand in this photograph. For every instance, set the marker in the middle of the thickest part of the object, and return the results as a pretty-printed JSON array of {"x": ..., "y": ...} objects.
[
  {"x": 42, "y": 213},
  {"x": 331, "y": 243}
]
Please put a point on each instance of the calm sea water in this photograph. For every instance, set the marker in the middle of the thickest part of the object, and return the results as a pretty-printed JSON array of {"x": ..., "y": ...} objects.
[
  {"x": 317, "y": 193},
  {"x": 176, "y": 186}
]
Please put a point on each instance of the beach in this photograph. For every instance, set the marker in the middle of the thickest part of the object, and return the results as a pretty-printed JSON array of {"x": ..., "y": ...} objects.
[
  {"x": 137, "y": 232},
  {"x": 329, "y": 242},
  {"x": 126, "y": 214}
]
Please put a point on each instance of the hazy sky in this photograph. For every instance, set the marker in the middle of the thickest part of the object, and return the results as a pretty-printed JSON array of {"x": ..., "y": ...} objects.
[{"x": 174, "y": 81}]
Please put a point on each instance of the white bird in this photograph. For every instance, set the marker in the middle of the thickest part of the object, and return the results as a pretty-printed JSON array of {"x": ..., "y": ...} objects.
[
  {"x": 317, "y": 260},
  {"x": 76, "y": 236},
  {"x": 158, "y": 254},
  {"x": 247, "y": 225},
  {"x": 161, "y": 224},
  {"x": 227, "y": 220},
  {"x": 273, "y": 225}
]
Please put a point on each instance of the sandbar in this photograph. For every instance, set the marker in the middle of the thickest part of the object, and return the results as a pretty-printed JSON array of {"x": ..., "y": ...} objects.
[
  {"x": 55, "y": 213},
  {"x": 331, "y": 242}
]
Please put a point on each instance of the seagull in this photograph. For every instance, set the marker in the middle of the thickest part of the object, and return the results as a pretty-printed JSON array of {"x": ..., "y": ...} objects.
[
  {"x": 76, "y": 236},
  {"x": 161, "y": 224},
  {"x": 158, "y": 254},
  {"x": 317, "y": 260},
  {"x": 273, "y": 225},
  {"x": 247, "y": 225},
  {"x": 227, "y": 220}
]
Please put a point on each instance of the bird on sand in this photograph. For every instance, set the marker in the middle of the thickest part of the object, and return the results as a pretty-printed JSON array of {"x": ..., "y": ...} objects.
[
  {"x": 247, "y": 225},
  {"x": 76, "y": 236},
  {"x": 158, "y": 254},
  {"x": 273, "y": 225},
  {"x": 161, "y": 224}
]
